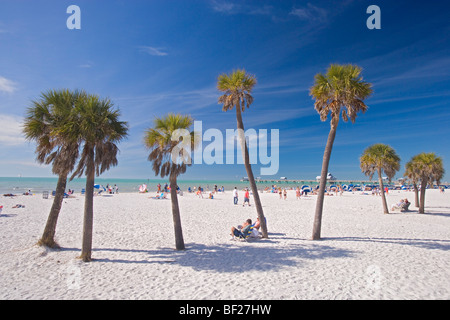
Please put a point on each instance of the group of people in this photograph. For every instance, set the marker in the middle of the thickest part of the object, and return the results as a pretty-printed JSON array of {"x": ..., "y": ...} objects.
[
  {"x": 403, "y": 205},
  {"x": 111, "y": 190},
  {"x": 246, "y": 197},
  {"x": 243, "y": 231}
]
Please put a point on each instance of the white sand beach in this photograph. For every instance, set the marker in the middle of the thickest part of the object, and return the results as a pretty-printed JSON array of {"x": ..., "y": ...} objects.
[{"x": 364, "y": 254}]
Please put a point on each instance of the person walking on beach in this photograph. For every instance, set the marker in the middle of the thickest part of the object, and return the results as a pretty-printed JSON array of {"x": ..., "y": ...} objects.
[
  {"x": 246, "y": 198},
  {"x": 235, "y": 196},
  {"x": 285, "y": 193},
  {"x": 297, "y": 193}
]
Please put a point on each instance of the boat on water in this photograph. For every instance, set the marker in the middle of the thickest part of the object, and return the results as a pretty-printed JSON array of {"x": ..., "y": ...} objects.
[{"x": 330, "y": 177}]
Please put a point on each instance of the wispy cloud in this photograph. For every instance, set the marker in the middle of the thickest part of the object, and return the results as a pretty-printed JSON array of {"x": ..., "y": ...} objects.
[
  {"x": 86, "y": 65},
  {"x": 228, "y": 7},
  {"x": 224, "y": 6},
  {"x": 7, "y": 86},
  {"x": 153, "y": 51},
  {"x": 11, "y": 130},
  {"x": 310, "y": 13}
]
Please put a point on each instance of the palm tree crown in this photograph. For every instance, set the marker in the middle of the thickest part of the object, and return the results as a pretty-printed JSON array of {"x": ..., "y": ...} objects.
[
  {"x": 160, "y": 139},
  {"x": 237, "y": 88},
  {"x": 99, "y": 128},
  {"x": 380, "y": 157},
  {"x": 46, "y": 123},
  {"x": 342, "y": 87},
  {"x": 428, "y": 167}
]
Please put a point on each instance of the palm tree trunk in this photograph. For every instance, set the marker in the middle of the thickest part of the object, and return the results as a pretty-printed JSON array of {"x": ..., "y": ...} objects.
[
  {"x": 179, "y": 242},
  {"x": 248, "y": 168},
  {"x": 48, "y": 237},
  {"x": 416, "y": 196},
  {"x": 423, "y": 188},
  {"x": 323, "y": 183},
  {"x": 383, "y": 196},
  {"x": 86, "y": 250}
]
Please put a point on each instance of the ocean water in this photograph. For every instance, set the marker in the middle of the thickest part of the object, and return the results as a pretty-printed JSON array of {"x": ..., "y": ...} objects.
[{"x": 20, "y": 185}]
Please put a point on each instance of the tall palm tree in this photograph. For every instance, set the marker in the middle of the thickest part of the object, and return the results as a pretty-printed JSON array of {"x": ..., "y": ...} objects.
[
  {"x": 46, "y": 123},
  {"x": 237, "y": 87},
  {"x": 98, "y": 130},
  {"x": 380, "y": 158},
  {"x": 169, "y": 159},
  {"x": 428, "y": 168},
  {"x": 341, "y": 91}
]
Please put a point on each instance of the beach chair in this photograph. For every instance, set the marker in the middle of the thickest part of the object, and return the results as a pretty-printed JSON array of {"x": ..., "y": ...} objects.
[
  {"x": 83, "y": 191},
  {"x": 245, "y": 237},
  {"x": 405, "y": 207},
  {"x": 45, "y": 195}
]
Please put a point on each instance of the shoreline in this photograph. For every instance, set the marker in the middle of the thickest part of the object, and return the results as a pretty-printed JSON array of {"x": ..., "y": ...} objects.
[{"x": 40, "y": 185}]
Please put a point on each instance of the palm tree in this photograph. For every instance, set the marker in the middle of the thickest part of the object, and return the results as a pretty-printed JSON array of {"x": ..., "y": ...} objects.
[
  {"x": 340, "y": 91},
  {"x": 237, "y": 87},
  {"x": 380, "y": 158},
  {"x": 428, "y": 168},
  {"x": 98, "y": 130},
  {"x": 171, "y": 160},
  {"x": 46, "y": 123},
  {"x": 411, "y": 172}
]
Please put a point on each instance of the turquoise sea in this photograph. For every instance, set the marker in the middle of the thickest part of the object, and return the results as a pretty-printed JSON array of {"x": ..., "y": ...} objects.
[{"x": 20, "y": 185}]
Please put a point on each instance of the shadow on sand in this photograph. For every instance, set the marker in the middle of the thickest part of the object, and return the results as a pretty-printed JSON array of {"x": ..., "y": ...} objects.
[{"x": 234, "y": 257}]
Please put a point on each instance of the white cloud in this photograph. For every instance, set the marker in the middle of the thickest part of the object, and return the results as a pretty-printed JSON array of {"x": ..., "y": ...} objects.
[
  {"x": 310, "y": 13},
  {"x": 7, "y": 86},
  {"x": 153, "y": 51},
  {"x": 228, "y": 7},
  {"x": 86, "y": 65},
  {"x": 224, "y": 7},
  {"x": 11, "y": 130}
]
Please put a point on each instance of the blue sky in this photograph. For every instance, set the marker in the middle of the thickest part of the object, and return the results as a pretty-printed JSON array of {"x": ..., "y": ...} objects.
[{"x": 151, "y": 57}]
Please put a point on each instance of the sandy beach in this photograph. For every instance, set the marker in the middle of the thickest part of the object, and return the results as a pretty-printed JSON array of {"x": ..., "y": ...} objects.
[{"x": 364, "y": 253}]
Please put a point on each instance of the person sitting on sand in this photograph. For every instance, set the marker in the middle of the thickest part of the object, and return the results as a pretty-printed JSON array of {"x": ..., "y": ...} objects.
[
  {"x": 257, "y": 224},
  {"x": 160, "y": 196},
  {"x": 398, "y": 205},
  {"x": 242, "y": 231}
]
